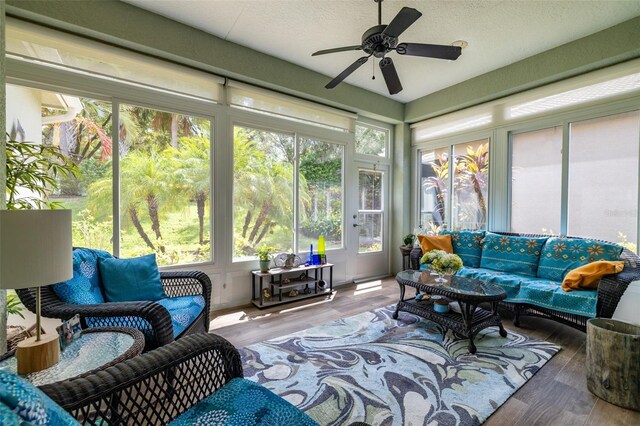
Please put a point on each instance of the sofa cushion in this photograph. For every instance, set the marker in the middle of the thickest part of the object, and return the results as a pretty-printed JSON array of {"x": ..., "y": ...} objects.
[
  {"x": 127, "y": 280},
  {"x": 21, "y": 403},
  {"x": 549, "y": 294},
  {"x": 467, "y": 245},
  {"x": 518, "y": 255},
  {"x": 435, "y": 242},
  {"x": 85, "y": 287},
  {"x": 561, "y": 255},
  {"x": 588, "y": 276},
  {"x": 243, "y": 402}
]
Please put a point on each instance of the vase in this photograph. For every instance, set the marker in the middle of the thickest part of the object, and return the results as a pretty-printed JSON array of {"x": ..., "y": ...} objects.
[
  {"x": 441, "y": 278},
  {"x": 264, "y": 265}
]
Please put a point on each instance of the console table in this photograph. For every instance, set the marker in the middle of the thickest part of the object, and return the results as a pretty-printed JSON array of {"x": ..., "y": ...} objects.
[{"x": 308, "y": 281}]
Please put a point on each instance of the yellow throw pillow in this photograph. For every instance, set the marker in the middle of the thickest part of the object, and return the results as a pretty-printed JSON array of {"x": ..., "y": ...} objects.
[
  {"x": 588, "y": 276},
  {"x": 435, "y": 242}
]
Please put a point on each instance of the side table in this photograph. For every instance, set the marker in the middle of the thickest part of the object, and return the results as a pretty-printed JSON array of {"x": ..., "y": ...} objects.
[
  {"x": 95, "y": 350},
  {"x": 405, "y": 251}
]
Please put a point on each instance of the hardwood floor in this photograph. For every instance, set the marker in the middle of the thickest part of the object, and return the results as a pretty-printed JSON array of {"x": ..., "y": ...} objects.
[{"x": 556, "y": 395}]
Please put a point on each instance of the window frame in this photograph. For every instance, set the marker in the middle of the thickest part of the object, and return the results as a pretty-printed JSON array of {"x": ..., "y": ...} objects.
[
  {"x": 369, "y": 158},
  {"x": 449, "y": 142},
  {"x": 258, "y": 121}
]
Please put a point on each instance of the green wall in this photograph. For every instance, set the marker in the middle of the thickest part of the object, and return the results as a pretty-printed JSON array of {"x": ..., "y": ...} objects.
[
  {"x": 611, "y": 46},
  {"x": 137, "y": 29}
]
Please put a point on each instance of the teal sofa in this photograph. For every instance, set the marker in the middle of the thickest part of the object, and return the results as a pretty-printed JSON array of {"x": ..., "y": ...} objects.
[{"x": 530, "y": 269}]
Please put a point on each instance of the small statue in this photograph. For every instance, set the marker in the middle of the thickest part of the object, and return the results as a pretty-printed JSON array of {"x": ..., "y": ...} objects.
[
  {"x": 293, "y": 292},
  {"x": 266, "y": 294},
  {"x": 290, "y": 261}
]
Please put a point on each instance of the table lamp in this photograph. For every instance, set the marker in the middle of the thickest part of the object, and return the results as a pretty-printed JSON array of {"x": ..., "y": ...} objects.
[{"x": 35, "y": 250}]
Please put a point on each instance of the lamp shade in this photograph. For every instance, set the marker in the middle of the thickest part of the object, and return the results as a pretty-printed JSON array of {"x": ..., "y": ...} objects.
[{"x": 35, "y": 248}]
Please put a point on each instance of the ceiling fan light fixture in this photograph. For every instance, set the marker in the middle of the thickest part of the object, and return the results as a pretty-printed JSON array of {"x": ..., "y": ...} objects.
[{"x": 460, "y": 43}]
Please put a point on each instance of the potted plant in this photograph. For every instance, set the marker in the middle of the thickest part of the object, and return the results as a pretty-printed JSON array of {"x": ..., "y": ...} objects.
[
  {"x": 264, "y": 255},
  {"x": 408, "y": 240}
]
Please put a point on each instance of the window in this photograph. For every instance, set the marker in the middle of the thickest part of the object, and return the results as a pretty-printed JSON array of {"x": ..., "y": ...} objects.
[
  {"x": 603, "y": 178},
  {"x": 470, "y": 185},
  {"x": 434, "y": 187},
  {"x": 165, "y": 175},
  {"x": 466, "y": 206},
  {"x": 536, "y": 181},
  {"x": 164, "y": 169},
  {"x": 370, "y": 211},
  {"x": 263, "y": 188},
  {"x": 320, "y": 193},
  {"x": 371, "y": 141},
  {"x": 81, "y": 129},
  {"x": 271, "y": 171}
]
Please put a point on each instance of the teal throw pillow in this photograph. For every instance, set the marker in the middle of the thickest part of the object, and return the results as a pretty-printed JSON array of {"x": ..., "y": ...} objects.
[
  {"x": 516, "y": 255},
  {"x": 126, "y": 280},
  {"x": 21, "y": 403},
  {"x": 467, "y": 245},
  {"x": 561, "y": 255},
  {"x": 85, "y": 287}
]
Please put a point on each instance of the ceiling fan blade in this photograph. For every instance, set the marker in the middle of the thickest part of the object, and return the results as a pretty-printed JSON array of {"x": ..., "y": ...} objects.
[
  {"x": 337, "y": 49},
  {"x": 429, "y": 50},
  {"x": 344, "y": 74},
  {"x": 401, "y": 22},
  {"x": 390, "y": 76}
]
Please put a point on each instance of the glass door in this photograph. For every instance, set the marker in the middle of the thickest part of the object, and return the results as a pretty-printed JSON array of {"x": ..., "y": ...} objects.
[{"x": 370, "y": 222}]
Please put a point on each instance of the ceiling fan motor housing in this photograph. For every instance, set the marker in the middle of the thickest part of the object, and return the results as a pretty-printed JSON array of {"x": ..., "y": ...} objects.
[{"x": 377, "y": 44}]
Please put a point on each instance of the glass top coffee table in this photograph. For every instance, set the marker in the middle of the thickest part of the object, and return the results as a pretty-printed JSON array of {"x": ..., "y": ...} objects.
[
  {"x": 467, "y": 292},
  {"x": 96, "y": 349}
]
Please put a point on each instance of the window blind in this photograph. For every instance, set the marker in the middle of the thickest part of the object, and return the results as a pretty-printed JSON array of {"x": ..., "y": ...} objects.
[
  {"x": 33, "y": 43},
  {"x": 264, "y": 101}
]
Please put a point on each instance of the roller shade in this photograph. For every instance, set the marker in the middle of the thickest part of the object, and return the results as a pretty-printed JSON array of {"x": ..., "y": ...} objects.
[
  {"x": 33, "y": 43},
  {"x": 264, "y": 101}
]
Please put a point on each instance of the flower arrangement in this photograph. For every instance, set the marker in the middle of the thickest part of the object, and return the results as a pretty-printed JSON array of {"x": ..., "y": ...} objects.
[
  {"x": 442, "y": 263},
  {"x": 430, "y": 256},
  {"x": 446, "y": 263}
]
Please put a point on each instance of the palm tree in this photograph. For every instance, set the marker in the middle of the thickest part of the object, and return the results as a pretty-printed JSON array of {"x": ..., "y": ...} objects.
[
  {"x": 473, "y": 169},
  {"x": 439, "y": 184},
  {"x": 190, "y": 167}
]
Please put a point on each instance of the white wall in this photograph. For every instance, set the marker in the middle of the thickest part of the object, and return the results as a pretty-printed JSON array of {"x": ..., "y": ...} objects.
[{"x": 24, "y": 111}]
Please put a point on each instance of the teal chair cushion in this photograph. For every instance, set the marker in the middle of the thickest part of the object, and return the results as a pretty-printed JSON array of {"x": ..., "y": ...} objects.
[
  {"x": 183, "y": 311},
  {"x": 21, "y": 403},
  {"x": 467, "y": 245},
  {"x": 516, "y": 255},
  {"x": 127, "y": 280},
  {"x": 242, "y": 402},
  {"x": 561, "y": 255},
  {"x": 85, "y": 287}
]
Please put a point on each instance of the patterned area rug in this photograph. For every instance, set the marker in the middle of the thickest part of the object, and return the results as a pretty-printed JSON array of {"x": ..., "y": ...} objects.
[{"x": 372, "y": 368}]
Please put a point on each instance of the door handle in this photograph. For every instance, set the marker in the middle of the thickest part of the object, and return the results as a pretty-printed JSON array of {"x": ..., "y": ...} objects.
[{"x": 356, "y": 225}]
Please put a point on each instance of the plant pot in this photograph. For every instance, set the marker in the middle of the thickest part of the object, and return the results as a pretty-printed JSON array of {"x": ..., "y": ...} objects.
[{"x": 264, "y": 265}]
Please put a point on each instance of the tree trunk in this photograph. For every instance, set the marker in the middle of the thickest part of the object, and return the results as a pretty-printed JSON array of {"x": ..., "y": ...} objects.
[
  {"x": 201, "y": 199},
  {"x": 174, "y": 130},
  {"x": 265, "y": 229},
  {"x": 481, "y": 202},
  {"x": 152, "y": 207},
  {"x": 247, "y": 222},
  {"x": 264, "y": 213},
  {"x": 133, "y": 214}
]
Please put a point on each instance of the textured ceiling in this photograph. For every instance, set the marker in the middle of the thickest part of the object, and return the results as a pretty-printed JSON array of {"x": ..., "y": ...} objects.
[{"x": 498, "y": 32}]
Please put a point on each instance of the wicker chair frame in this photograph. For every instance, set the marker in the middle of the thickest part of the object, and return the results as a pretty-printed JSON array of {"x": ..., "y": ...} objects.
[
  {"x": 153, "y": 388},
  {"x": 610, "y": 289},
  {"x": 132, "y": 314}
]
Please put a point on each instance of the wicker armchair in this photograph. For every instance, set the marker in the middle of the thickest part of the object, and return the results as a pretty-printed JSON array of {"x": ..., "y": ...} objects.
[
  {"x": 132, "y": 314},
  {"x": 610, "y": 289},
  {"x": 153, "y": 388}
]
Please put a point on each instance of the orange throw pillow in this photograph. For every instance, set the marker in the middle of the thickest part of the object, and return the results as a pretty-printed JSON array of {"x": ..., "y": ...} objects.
[
  {"x": 435, "y": 242},
  {"x": 588, "y": 276}
]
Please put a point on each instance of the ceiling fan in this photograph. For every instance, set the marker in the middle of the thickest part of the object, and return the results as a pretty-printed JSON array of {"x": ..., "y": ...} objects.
[{"x": 381, "y": 39}]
